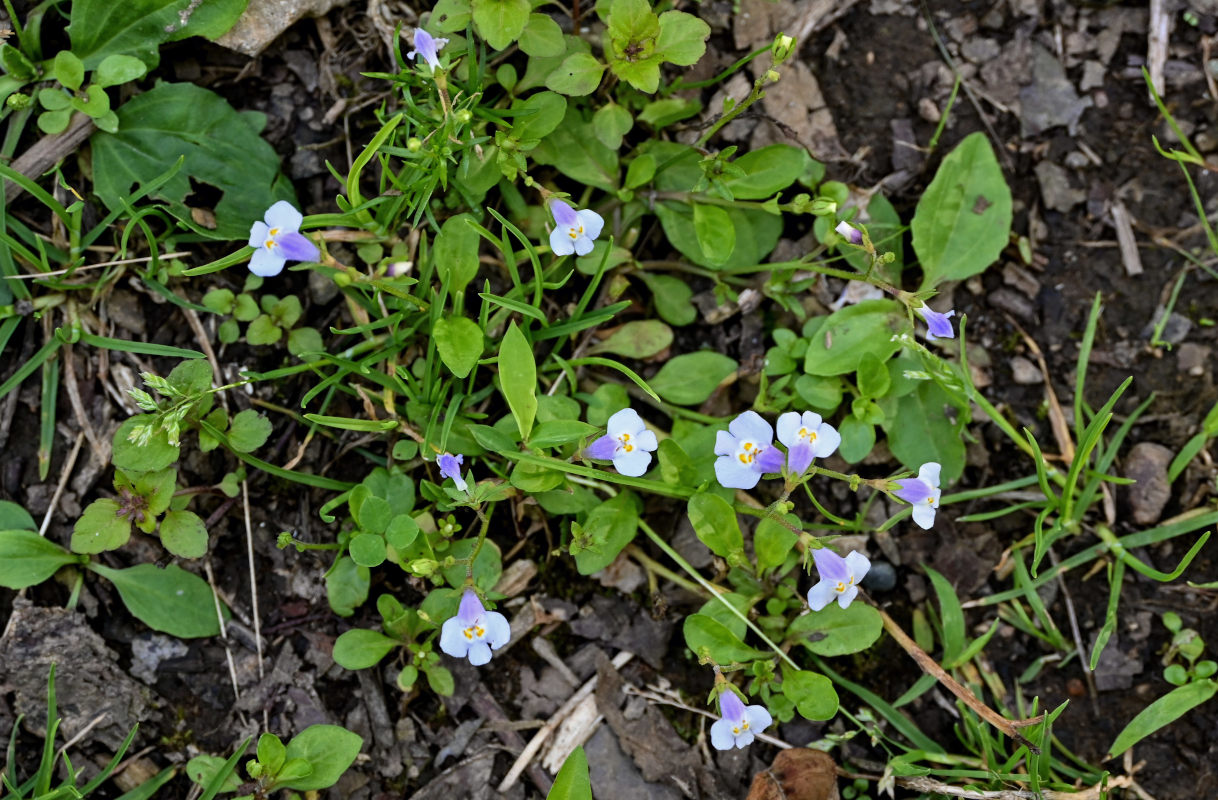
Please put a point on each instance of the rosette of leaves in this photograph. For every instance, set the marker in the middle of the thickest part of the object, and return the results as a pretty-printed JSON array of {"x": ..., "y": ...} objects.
[
  {"x": 313, "y": 760},
  {"x": 269, "y": 318},
  {"x": 73, "y": 95}
]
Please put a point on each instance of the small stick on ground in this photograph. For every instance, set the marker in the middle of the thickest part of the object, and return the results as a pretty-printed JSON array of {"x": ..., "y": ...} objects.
[
  {"x": 215, "y": 593},
  {"x": 63, "y": 481},
  {"x": 249, "y": 541}
]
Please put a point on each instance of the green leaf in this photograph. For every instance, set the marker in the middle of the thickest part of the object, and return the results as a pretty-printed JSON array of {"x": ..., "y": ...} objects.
[
  {"x": 204, "y": 769},
  {"x": 858, "y": 438},
  {"x": 100, "y": 528},
  {"x": 271, "y": 753},
  {"x": 118, "y": 69},
  {"x": 305, "y": 343},
  {"x": 441, "y": 681},
  {"x": 574, "y": 150},
  {"x": 368, "y": 549},
  {"x": 853, "y": 332},
  {"x": 361, "y": 649},
  {"x": 824, "y": 394},
  {"x": 605, "y": 532},
  {"x": 100, "y": 28},
  {"x": 347, "y": 586},
  {"x": 709, "y": 637},
  {"x": 611, "y": 122},
  {"x": 773, "y": 542},
  {"x": 560, "y": 431},
  {"x": 54, "y": 99},
  {"x": 715, "y": 522},
  {"x": 488, "y": 566},
  {"x": 672, "y": 297},
  {"x": 874, "y": 380},
  {"x": 16, "y": 64},
  {"x": 689, "y": 379},
  {"x": 813, "y": 694},
  {"x": 963, "y": 221},
  {"x": 169, "y": 600},
  {"x": 573, "y": 781},
  {"x": 459, "y": 342},
  {"x": 246, "y": 308},
  {"x": 450, "y": 16},
  {"x": 456, "y": 252},
  {"x": 263, "y": 331},
  {"x": 329, "y": 749},
  {"x": 68, "y": 70},
  {"x": 220, "y": 148},
  {"x": 131, "y": 457},
  {"x": 637, "y": 339},
  {"x": 662, "y": 113},
  {"x": 184, "y": 534},
  {"x": 27, "y": 559},
  {"x": 542, "y": 37},
  {"x": 15, "y": 518},
  {"x": 95, "y": 103},
  {"x": 834, "y": 631},
  {"x": 518, "y": 378},
  {"x": 221, "y": 301},
  {"x": 682, "y": 38},
  {"x": 249, "y": 431},
  {"x": 53, "y": 122},
  {"x": 756, "y": 232},
  {"x": 767, "y": 170},
  {"x": 1162, "y": 712},
  {"x": 716, "y": 233},
  {"x": 500, "y": 22},
  {"x": 579, "y": 74},
  {"x": 920, "y": 430},
  {"x": 537, "y": 116}
]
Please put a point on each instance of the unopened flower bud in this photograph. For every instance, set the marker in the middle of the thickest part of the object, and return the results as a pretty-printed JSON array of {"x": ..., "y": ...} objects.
[
  {"x": 772, "y": 76},
  {"x": 19, "y": 101},
  {"x": 823, "y": 207},
  {"x": 781, "y": 49},
  {"x": 848, "y": 232},
  {"x": 423, "y": 566},
  {"x": 414, "y": 144},
  {"x": 464, "y": 116}
]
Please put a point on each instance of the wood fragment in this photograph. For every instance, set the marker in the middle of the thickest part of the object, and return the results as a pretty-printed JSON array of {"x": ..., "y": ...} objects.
[
  {"x": 1156, "y": 49},
  {"x": 1125, "y": 239},
  {"x": 49, "y": 151}
]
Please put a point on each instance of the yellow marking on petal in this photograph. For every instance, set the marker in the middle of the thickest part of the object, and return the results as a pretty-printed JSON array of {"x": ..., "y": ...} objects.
[
  {"x": 274, "y": 232},
  {"x": 745, "y": 725},
  {"x": 736, "y": 729},
  {"x": 840, "y": 587},
  {"x": 474, "y": 632},
  {"x": 573, "y": 233}
]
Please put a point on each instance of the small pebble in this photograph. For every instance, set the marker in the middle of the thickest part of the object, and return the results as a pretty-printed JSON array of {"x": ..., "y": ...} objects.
[
  {"x": 880, "y": 578},
  {"x": 1025, "y": 372}
]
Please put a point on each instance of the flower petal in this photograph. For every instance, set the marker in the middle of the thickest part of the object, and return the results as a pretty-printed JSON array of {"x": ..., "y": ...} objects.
[
  {"x": 632, "y": 464},
  {"x": 810, "y": 420},
  {"x": 258, "y": 233},
  {"x": 297, "y": 247},
  {"x": 266, "y": 264},
  {"x": 284, "y": 216},
  {"x": 913, "y": 490},
  {"x": 788, "y": 429},
  {"x": 646, "y": 440},
  {"x": 479, "y": 653},
  {"x": 560, "y": 243},
  {"x": 769, "y": 461},
  {"x": 758, "y": 718},
  {"x": 858, "y": 564},
  {"x": 830, "y": 566},
  {"x": 847, "y": 597},
  {"x": 924, "y": 515},
  {"x": 602, "y": 449},
  {"x": 751, "y": 426},
  {"x": 721, "y": 735},
  {"x": 798, "y": 458},
  {"x": 470, "y": 609},
  {"x": 583, "y": 246},
  {"x": 934, "y": 497},
  {"x": 593, "y": 222},
  {"x": 930, "y": 473},
  {"x": 725, "y": 444},
  {"x": 821, "y": 594},
  {"x": 452, "y": 640},
  {"x": 498, "y": 631},
  {"x": 827, "y": 441},
  {"x": 731, "y": 707},
  {"x": 625, "y": 421},
  {"x": 744, "y": 740},
  {"x": 734, "y": 475},
  {"x": 564, "y": 215}
]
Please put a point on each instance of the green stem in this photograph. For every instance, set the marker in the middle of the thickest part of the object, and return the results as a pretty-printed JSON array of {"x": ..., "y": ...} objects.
[{"x": 486, "y": 524}]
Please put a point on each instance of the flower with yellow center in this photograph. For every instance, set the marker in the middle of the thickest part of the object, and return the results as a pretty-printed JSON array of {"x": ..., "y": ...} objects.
[
  {"x": 474, "y": 632},
  {"x": 839, "y": 578}
]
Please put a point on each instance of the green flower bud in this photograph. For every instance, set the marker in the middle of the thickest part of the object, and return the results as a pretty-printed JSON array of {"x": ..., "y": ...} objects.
[
  {"x": 464, "y": 116},
  {"x": 782, "y": 48},
  {"x": 19, "y": 101},
  {"x": 414, "y": 144}
]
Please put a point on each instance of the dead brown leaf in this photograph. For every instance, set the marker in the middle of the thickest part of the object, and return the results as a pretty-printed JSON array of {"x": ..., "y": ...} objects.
[{"x": 800, "y": 774}]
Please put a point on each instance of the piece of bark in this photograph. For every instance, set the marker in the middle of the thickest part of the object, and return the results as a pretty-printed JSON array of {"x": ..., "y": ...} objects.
[
  {"x": 49, "y": 151},
  {"x": 1129, "y": 246}
]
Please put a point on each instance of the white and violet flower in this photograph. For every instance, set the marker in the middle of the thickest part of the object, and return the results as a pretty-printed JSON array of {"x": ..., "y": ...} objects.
[
  {"x": 922, "y": 493},
  {"x": 740, "y": 723},
  {"x": 278, "y": 240},
  {"x": 839, "y": 578},
  {"x": 627, "y": 443},
  {"x": 474, "y": 632},
  {"x": 574, "y": 230}
]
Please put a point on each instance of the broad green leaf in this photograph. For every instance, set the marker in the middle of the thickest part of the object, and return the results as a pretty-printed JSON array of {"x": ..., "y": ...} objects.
[
  {"x": 456, "y": 252},
  {"x": 715, "y": 522},
  {"x": 858, "y": 438},
  {"x": 169, "y": 600},
  {"x": 672, "y": 297},
  {"x": 347, "y": 586},
  {"x": 537, "y": 116},
  {"x": 368, "y": 549},
  {"x": 450, "y": 16},
  {"x": 118, "y": 69},
  {"x": 518, "y": 378},
  {"x": 263, "y": 331},
  {"x": 15, "y": 518},
  {"x": 100, "y": 28},
  {"x": 27, "y": 559},
  {"x": 773, "y": 542},
  {"x": 921, "y": 430},
  {"x": 767, "y": 170},
  {"x": 220, "y": 148},
  {"x": 848, "y": 335},
  {"x": 542, "y": 37},
  {"x": 128, "y": 456},
  {"x": 963, "y": 221},
  {"x": 459, "y": 342},
  {"x": 572, "y": 781},
  {"x": 838, "y": 631},
  {"x": 305, "y": 343},
  {"x": 68, "y": 70},
  {"x": 716, "y": 233},
  {"x": 329, "y": 749},
  {"x": 184, "y": 534},
  {"x": 682, "y": 38},
  {"x": 605, "y": 532},
  {"x": 249, "y": 431},
  {"x": 488, "y": 566},
  {"x": 873, "y": 378},
  {"x": 204, "y": 769},
  {"x": 636, "y": 339},
  {"x": 361, "y": 649},
  {"x": 611, "y": 122},
  {"x": 757, "y": 233},
  {"x": 100, "y": 528},
  {"x": 667, "y": 111},
  {"x": 579, "y": 74},
  {"x": 441, "y": 681},
  {"x": 1161, "y": 713},
  {"x": 706, "y": 636},
  {"x": 574, "y": 150},
  {"x": 53, "y": 122},
  {"x": 560, "y": 431},
  {"x": 500, "y": 22},
  {"x": 689, "y": 379},
  {"x": 718, "y": 609},
  {"x": 271, "y": 753},
  {"x": 813, "y": 694}
]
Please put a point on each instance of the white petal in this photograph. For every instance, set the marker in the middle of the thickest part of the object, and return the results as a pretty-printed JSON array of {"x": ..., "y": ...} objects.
[
  {"x": 258, "y": 232},
  {"x": 583, "y": 246},
  {"x": 646, "y": 440},
  {"x": 811, "y": 420},
  {"x": 625, "y": 421},
  {"x": 633, "y": 463},
  {"x": 266, "y": 264},
  {"x": 479, "y": 653},
  {"x": 284, "y": 216},
  {"x": 744, "y": 740},
  {"x": 452, "y": 640},
  {"x": 930, "y": 473},
  {"x": 734, "y": 475},
  {"x": 593, "y": 222},
  {"x": 560, "y": 243},
  {"x": 758, "y": 718},
  {"x": 721, "y": 735},
  {"x": 845, "y": 598},
  {"x": 460, "y": 483},
  {"x": 924, "y": 515},
  {"x": 827, "y": 441},
  {"x": 498, "y": 631},
  {"x": 935, "y": 495},
  {"x": 751, "y": 426},
  {"x": 725, "y": 444},
  {"x": 820, "y": 595},
  {"x": 858, "y": 564},
  {"x": 788, "y": 428}
]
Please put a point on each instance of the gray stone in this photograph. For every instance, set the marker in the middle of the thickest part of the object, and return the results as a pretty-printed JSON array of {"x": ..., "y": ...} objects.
[
  {"x": 615, "y": 776},
  {"x": 1147, "y": 465},
  {"x": 1050, "y": 100},
  {"x": 1025, "y": 372},
  {"x": 264, "y": 20},
  {"x": 1055, "y": 187},
  {"x": 148, "y": 650}
]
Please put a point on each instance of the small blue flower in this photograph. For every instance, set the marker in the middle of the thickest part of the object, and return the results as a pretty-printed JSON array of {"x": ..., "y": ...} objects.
[
  {"x": 839, "y": 577},
  {"x": 573, "y": 230},
  {"x": 450, "y": 467},
  {"x": 806, "y": 437},
  {"x": 746, "y": 452},
  {"x": 279, "y": 240},
  {"x": 849, "y": 232},
  {"x": 474, "y": 632},
  {"x": 922, "y": 493},
  {"x": 428, "y": 47},
  {"x": 739, "y": 723},
  {"x": 626, "y": 442},
  {"x": 937, "y": 326}
]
